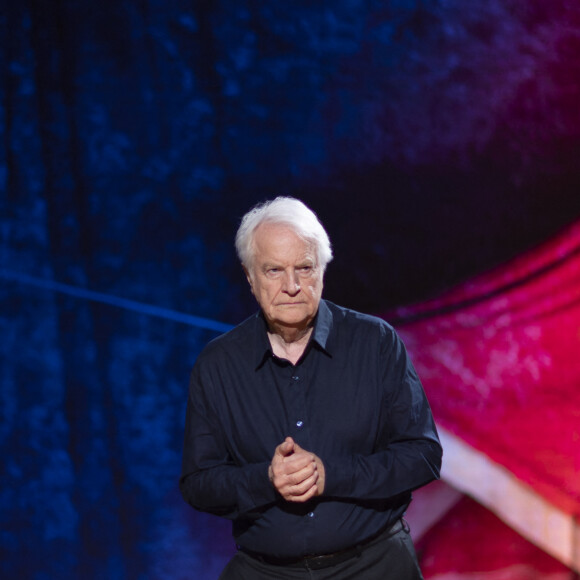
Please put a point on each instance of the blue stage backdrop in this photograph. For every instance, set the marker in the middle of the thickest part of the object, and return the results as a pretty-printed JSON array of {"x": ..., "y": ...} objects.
[{"x": 433, "y": 139}]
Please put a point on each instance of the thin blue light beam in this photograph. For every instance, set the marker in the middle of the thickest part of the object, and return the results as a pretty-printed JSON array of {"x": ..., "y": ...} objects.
[{"x": 125, "y": 303}]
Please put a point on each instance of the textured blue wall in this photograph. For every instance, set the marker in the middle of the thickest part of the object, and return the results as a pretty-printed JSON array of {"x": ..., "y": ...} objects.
[{"x": 433, "y": 141}]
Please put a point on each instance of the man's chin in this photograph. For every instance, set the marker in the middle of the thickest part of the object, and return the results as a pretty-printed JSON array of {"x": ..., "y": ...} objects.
[{"x": 293, "y": 317}]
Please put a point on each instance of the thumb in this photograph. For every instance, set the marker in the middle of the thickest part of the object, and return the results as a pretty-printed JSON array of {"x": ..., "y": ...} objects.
[{"x": 287, "y": 448}]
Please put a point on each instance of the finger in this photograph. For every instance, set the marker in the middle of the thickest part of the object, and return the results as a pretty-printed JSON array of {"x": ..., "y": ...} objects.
[
  {"x": 301, "y": 489},
  {"x": 296, "y": 462},
  {"x": 296, "y": 482},
  {"x": 309, "y": 494},
  {"x": 300, "y": 475},
  {"x": 283, "y": 474},
  {"x": 300, "y": 452}
]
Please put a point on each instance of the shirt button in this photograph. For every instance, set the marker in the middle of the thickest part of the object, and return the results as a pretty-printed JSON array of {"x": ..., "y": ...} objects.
[
  {"x": 299, "y": 424},
  {"x": 296, "y": 379},
  {"x": 310, "y": 514}
]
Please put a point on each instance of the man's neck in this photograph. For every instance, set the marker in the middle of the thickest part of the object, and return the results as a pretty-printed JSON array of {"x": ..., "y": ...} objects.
[{"x": 290, "y": 343}]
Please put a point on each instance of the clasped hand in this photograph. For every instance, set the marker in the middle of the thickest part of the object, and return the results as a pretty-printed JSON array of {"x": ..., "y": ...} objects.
[{"x": 297, "y": 474}]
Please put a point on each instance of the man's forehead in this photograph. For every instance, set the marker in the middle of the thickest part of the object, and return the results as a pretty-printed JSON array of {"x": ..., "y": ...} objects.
[
  {"x": 274, "y": 229},
  {"x": 280, "y": 238}
]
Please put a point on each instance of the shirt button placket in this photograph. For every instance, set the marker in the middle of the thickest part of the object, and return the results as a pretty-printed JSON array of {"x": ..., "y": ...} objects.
[{"x": 299, "y": 422}]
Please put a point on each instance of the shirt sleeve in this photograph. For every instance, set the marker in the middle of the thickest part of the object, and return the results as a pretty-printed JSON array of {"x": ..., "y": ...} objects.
[
  {"x": 408, "y": 453},
  {"x": 210, "y": 480}
]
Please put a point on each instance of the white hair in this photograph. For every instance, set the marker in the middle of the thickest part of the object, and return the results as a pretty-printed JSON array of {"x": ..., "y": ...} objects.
[{"x": 286, "y": 211}]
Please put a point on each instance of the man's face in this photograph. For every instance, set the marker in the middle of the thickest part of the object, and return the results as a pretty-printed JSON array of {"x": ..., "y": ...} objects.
[{"x": 285, "y": 277}]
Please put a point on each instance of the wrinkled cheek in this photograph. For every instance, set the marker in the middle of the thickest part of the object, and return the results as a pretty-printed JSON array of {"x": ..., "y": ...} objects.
[{"x": 315, "y": 291}]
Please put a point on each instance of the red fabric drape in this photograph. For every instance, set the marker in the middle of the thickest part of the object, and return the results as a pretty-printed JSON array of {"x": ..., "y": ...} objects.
[
  {"x": 471, "y": 543},
  {"x": 500, "y": 359}
]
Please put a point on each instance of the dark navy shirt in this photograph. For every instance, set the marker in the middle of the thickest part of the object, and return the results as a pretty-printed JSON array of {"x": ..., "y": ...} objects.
[{"x": 353, "y": 399}]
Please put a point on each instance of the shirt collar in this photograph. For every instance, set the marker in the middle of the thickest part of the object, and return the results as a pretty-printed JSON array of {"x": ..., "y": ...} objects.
[
  {"x": 323, "y": 327},
  {"x": 321, "y": 335}
]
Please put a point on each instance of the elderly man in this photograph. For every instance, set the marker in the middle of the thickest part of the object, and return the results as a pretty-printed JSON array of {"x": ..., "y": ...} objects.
[{"x": 307, "y": 425}]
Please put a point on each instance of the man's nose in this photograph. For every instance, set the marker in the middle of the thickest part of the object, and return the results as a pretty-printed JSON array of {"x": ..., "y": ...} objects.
[{"x": 291, "y": 283}]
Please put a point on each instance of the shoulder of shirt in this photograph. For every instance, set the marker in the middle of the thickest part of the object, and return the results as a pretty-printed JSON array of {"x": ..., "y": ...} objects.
[
  {"x": 240, "y": 335},
  {"x": 350, "y": 316}
]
